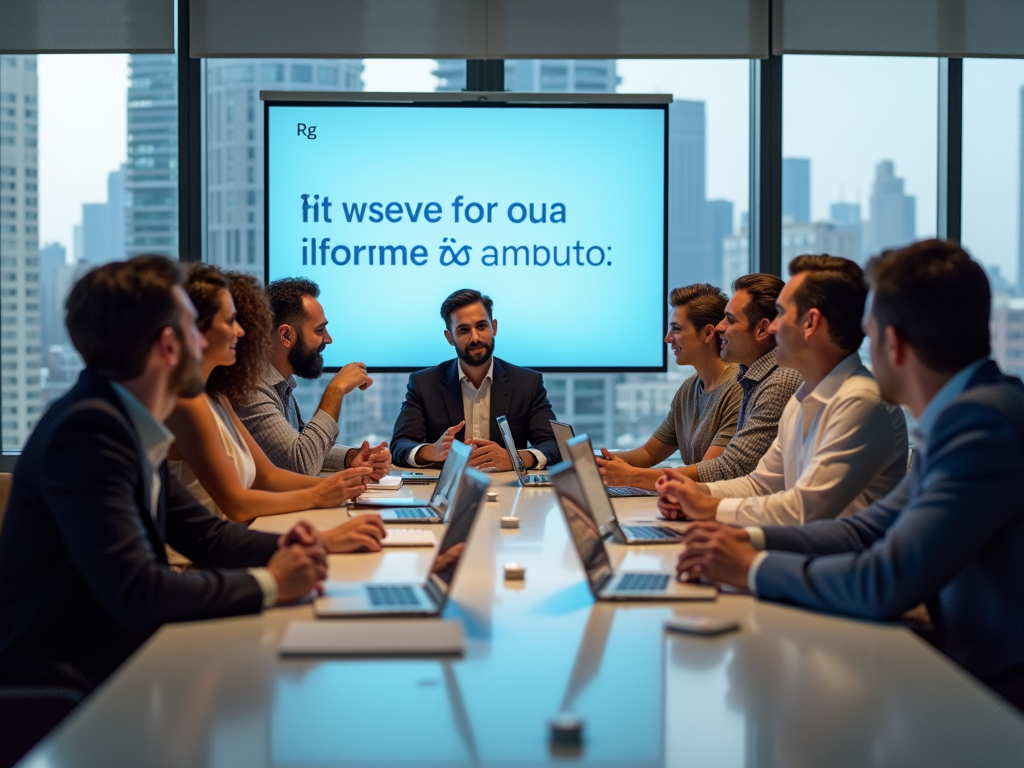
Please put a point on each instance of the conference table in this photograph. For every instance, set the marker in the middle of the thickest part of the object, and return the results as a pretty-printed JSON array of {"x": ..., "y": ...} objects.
[{"x": 791, "y": 688}]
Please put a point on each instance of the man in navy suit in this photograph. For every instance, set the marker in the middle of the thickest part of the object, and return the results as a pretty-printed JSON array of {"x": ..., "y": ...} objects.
[
  {"x": 462, "y": 399},
  {"x": 951, "y": 534},
  {"x": 84, "y": 578}
]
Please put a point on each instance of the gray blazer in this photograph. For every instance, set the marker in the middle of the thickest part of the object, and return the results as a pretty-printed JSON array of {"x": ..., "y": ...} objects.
[{"x": 951, "y": 534}]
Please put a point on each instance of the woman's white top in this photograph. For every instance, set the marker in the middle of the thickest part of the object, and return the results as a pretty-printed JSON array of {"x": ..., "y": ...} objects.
[{"x": 236, "y": 449}]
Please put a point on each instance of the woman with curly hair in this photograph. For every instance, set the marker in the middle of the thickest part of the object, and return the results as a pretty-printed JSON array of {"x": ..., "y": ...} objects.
[{"x": 213, "y": 452}]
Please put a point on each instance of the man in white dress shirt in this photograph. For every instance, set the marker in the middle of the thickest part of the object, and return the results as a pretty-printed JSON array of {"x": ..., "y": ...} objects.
[
  {"x": 840, "y": 446},
  {"x": 462, "y": 398}
]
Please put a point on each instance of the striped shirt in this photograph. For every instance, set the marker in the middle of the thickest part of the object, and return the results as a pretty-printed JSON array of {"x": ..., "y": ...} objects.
[
  {"x": 766, "y": 390},
  {"x": 271, "y": 414}
]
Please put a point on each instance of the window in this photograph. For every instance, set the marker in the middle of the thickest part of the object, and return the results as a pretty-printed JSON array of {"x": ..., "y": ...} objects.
[
  {"x": 103, "y": 186},
  {"x": 993, "y": 194},
  {"x": 859, "y": 154}
]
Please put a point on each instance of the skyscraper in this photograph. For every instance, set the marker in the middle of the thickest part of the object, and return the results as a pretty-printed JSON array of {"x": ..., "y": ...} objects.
[
  {"x": 689, "y": 247},
  {"x": 51, "y": 259},
  {"x": 892, "y": 212},
  {"x": 846, "y": 218},
  {"x": 20, "y": 330},
  {"x": 103, "y": 233},
  {"x": 539, "y": 75},
  {"x": 234, "y": 145},
  {"x": 151, "y": 181},
  {"x": 796, "y": 190},
  {"x": 719, "y": 227}
]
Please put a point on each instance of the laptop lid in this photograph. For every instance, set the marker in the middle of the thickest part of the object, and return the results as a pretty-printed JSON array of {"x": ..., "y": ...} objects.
[
  {"x": 448, "y": 480},
  {"x": 563, "y": 433},
  {"x": 581, "y": 454},
  {"x": 465, "y": 504},
  {"x": 582, "y": 528},
  {"x": 510, "y": 446}
]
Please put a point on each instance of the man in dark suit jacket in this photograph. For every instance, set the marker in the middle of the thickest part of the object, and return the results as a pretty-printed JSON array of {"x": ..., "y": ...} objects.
[
  {"x": 84, "y": 578},
  {"x": 462, "y": 399},
  {"x": 952, "y": 533}
]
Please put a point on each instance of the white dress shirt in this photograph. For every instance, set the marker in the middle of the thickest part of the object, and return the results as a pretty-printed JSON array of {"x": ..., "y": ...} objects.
[
  {"x": 476, "y": 410},
  {"x": 156, "y": 441},
  {"x": 950, "y": 391},
  {"x": 840, "y": 447}
]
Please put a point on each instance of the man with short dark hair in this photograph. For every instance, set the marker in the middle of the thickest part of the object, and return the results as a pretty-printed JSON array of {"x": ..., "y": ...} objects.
[
  {"x": 840, "y": 446},
  {"x": 462, "y": 398},
  {"x": 271, "y": 413},
  {"x": 84, "y": 578},
  {"x": 767, "y": 386},
  {"x": 952, "y": 533}
]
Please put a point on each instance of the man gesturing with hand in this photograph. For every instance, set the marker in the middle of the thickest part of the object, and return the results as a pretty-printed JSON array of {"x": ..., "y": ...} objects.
[{"x": 462, "y": 398}]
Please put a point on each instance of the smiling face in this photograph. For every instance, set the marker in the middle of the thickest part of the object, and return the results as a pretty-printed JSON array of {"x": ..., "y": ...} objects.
[
  {"x": 741, "y": 340},
  {"x": 223, "y": 334},
  {"x": 472, "y": 334},
  {"x": 685, "y": 341}
]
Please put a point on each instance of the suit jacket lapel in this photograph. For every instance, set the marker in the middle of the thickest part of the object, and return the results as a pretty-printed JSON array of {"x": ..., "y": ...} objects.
[
  {"x": 501, "y": 397},
  {"x": 452, "y": 392}
]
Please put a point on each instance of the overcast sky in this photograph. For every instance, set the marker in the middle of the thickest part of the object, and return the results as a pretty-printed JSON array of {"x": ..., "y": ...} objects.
[{"x": 844, "y": 113}]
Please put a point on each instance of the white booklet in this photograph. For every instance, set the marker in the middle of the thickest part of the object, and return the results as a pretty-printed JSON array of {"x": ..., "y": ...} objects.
[
  {"x": 408, "y": 537},
  {"x": 373, "y": 637},
  {"x": 386, "y": 483}
]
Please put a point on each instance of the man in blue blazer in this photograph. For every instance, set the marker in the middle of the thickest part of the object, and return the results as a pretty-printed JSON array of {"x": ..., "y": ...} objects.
[
  {"x": 84, "y": 578},
  {"x": 951, "y": 534},
  {"x": 462, "y": 399}
]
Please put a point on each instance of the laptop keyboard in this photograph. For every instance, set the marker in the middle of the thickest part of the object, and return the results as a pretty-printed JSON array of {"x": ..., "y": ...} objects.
[
  {"x": 415, "y": 512},
  {"x": 642, "y": 582},
  {"x": 625, "y": 490},
  {"x": 392, "y": 595},
  {"x": 650, "y": 532}
]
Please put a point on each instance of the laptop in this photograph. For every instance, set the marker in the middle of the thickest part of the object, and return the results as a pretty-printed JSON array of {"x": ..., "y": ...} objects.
[
  {"x": 564, "y": 433},
  {"x": 581, "y": 454},
  {"x": 525, "y": 479},
  {"x": 605, "y": 582},
  {"x": 344, "y": 599},
  {"x": 413, "y": 510}
]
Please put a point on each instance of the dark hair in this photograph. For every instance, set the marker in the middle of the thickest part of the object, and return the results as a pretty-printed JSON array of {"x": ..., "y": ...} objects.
[
  {"x": 115, "y": 313},
  {"x": 252, "y": 352},
  {"x": 463, "y": 298},
  {"x": 938, "y": 298},
  {"x": 763, "y": 290},
  {"x": 286, "y": 300},
  {"x": 203, "y": 284},
  {"x": 704, "y": 303},
  {"x": 835, "y": 287}
]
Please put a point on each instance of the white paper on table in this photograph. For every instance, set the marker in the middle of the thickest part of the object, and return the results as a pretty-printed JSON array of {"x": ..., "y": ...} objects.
[
  {"x": 386, "y": 483},
  {"x": 408, "y": 537},
  {"x": 372, "y": 637}
]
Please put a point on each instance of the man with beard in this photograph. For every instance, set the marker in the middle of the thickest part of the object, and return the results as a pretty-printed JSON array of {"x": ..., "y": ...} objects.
[
  {"x": 272, "y": 414},
  {"x": 84, "y": 578},
  {"x": 462, "y": 398}
]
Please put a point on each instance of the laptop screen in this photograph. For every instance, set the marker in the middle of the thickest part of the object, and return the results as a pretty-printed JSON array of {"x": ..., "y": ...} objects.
[
  {"x": 563, "y": 433},
  {"x": 466, "y": 503},
  {"x": 584, "y": 531},
  {"x": 448, "y": 480},
  {"x": 510, "y": 446},
  {"x": 581, "y": 454}
]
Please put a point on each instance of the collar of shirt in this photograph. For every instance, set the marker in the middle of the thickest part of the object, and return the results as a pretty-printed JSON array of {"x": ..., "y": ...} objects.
[
  {"x": 757, "y": 372},
  {"x": 156, "y": 439},
  {"x": 274, "y": 378},
  {"x": 829, "y": 386},
  {"x": 464, "y": 379},
  {"x": 949, "y": 392}
]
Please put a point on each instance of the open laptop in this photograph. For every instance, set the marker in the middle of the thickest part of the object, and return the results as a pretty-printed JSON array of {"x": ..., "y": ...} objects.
[
  {"x": 605, "y": 582},
  {"x": 525, "y": 479},
  {"x": 564, "y": 433},
  {"x": 581, "y": 454},
  {"x": 413, "y": 510},
  {"x": 344, "y": 599}
]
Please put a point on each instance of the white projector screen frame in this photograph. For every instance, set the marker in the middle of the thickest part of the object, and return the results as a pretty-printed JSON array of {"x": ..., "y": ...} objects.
[{"x": 475, "y": 101}]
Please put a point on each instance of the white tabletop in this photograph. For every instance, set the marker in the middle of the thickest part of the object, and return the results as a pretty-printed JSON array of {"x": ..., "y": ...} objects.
[{"x": 790, "y": 689}]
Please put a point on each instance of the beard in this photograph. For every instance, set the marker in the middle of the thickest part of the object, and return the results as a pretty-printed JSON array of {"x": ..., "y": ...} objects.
[
  {"x": 476, "y": 356},
  {"x": 308, "y": 363},
  {"x": 186, "y": 380}
]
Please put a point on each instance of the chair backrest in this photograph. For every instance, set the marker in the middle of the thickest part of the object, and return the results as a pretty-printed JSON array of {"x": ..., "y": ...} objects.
[{"x": 5, "y": 493}]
